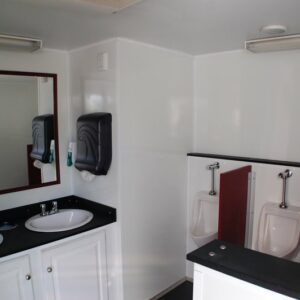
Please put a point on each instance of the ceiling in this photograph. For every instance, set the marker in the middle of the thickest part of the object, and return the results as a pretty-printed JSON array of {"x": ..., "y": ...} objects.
[{"x": 192, "y": 26}]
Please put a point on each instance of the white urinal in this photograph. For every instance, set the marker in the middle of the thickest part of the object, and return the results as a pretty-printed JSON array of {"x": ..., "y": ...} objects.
[
  {"x": 279, "y": 230},
  {"x": 204, "y": 221}
]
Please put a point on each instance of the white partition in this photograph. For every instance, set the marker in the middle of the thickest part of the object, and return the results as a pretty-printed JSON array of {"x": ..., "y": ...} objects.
[{"x": 212, "y": 285}]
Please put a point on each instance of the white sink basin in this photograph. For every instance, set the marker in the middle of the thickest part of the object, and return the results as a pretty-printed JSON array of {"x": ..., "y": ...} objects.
[{"x": 65, "y": 219}]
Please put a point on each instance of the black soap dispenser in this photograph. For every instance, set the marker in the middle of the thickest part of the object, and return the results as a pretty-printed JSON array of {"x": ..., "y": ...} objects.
[{"x": 94, "y": 143}]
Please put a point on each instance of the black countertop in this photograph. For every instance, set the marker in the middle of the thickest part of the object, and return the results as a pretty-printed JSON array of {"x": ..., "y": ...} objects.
[
  {"x": 20, "y": 238},
  {"x": 279, "y": 275}
]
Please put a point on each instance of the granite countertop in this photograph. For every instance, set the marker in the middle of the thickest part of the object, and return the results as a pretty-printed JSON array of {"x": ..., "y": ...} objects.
[
  {"x": 279, "y": 275},
  {"x": 20, "y": 238}
]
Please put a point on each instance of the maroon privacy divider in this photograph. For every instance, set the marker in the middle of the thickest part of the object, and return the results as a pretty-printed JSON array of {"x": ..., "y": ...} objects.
[{"x": 233, "y": 205}]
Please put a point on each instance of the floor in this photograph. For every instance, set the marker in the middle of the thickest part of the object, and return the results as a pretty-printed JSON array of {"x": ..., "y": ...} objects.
[{"x": 181, "y": 292}]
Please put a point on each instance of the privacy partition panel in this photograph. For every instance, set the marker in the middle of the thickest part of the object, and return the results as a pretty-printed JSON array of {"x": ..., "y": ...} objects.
[{"x": 233, "y": 205}]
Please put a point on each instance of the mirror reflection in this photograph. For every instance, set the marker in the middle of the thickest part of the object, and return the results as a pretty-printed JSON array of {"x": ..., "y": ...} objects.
[{"x": 27, "y": 152}]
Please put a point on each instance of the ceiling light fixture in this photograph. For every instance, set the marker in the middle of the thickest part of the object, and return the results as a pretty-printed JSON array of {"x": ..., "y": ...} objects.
[
  {"x": 273, "y": 29},
  {"x": 12, "y": 42},
  {"x": 280, "y": 43},
  {"x": 112, "y": 5}
]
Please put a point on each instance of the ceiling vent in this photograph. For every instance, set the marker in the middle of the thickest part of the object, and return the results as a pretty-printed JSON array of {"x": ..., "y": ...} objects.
[{"x": 281, "y": 43}]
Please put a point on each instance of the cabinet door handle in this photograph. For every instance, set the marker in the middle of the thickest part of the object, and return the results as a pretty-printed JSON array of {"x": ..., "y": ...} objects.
[
  {"x": 27, "y": 276},
  {"x": 49, "y": 269}
]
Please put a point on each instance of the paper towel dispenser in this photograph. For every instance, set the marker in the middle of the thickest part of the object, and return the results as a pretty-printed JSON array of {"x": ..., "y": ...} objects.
[
  {"x": 94, "y": 143},
  {"x": 42, "y": 134}
]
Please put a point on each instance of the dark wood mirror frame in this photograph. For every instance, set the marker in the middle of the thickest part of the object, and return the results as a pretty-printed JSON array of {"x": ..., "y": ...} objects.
[{"x": 55, "y": 118}]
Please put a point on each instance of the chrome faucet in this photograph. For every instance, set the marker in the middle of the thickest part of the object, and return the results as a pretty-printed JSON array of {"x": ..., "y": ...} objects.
[
  {"x": 54, "y": 208},
  {"x": 213, "y": 167},
  {"x": 43, "y": 210},
  {"x": 284, "y": 175}
]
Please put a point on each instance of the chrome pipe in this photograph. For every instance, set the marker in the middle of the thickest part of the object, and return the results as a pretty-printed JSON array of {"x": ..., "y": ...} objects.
[
  {"x": 212, "y": 168},
  {"x": 284, "y": 175}
]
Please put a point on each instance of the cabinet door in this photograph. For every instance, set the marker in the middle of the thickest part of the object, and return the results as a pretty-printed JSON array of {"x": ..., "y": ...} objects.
[
  {"x": 212, "y": 285},
  {"x": 76, "y": 270},
  {"x": 15, "y": 279}
]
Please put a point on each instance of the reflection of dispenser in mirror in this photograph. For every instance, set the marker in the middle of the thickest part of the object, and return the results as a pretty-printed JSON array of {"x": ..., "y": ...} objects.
[
  {"x": 43, "y": 147},
  {"x": 42, "y": 135},
  {"x": 94, "y": 144}
]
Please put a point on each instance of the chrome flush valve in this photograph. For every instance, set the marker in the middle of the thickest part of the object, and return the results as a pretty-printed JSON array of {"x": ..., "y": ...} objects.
[
  {"x": 284, "y": 175},
  {"x": 213, "y": 167}
]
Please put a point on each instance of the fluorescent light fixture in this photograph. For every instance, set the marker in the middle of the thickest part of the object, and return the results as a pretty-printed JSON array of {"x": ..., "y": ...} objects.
[
  {"x": 116, "y": 5},
  {"x": 280, "y": 43},
  {"x": 11, "y": 42}
]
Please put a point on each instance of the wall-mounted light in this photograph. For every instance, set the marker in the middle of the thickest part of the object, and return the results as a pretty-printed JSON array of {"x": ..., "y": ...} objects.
[
  {"x": 280, "y": 43},
  {"x": 11, "y": 42}
]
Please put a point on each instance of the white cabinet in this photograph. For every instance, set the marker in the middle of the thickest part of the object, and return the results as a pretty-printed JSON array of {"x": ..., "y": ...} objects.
[
  {"x": 70, "y": 269},
  {"x": 76, "y": 270},
  {"x": 212, "y": 285},
  {"x": 15, "y": 279}
]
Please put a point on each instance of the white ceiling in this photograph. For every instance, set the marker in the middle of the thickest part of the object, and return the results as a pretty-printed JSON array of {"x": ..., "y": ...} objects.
[{"x": 192, "y": 26}]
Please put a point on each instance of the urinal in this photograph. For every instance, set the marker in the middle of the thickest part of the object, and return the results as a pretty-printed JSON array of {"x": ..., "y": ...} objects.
[
  {"x": 279, "y": 230},
  {"x": 204, "y": 221}
]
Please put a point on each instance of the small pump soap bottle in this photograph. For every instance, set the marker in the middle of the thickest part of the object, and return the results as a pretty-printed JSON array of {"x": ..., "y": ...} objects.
[
  {"x": 51, "y": 155},
  {"x": 69, "y": 158}
]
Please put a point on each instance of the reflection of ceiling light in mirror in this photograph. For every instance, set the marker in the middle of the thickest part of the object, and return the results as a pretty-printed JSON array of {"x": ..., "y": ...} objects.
[
  {"x": 281, "y": 43},
  {"x": 11, "y": 42},
  {"x": 273, "y": 29}
]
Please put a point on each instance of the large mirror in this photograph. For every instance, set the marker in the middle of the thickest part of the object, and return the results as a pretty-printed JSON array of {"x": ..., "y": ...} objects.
[{"x": 28, "y": 131}]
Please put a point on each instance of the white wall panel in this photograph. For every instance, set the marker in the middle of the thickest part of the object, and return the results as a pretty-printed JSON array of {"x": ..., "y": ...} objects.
[
  {"x": 94, "y": 90},
  {"x": 248, "y": 104},
  {"x": 155, "y": 93}
]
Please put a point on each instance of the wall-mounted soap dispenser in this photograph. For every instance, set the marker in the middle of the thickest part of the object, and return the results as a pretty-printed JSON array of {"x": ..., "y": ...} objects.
[
  {"x": 94, "y": 143},
  {"x": 42, "y": 135}
]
